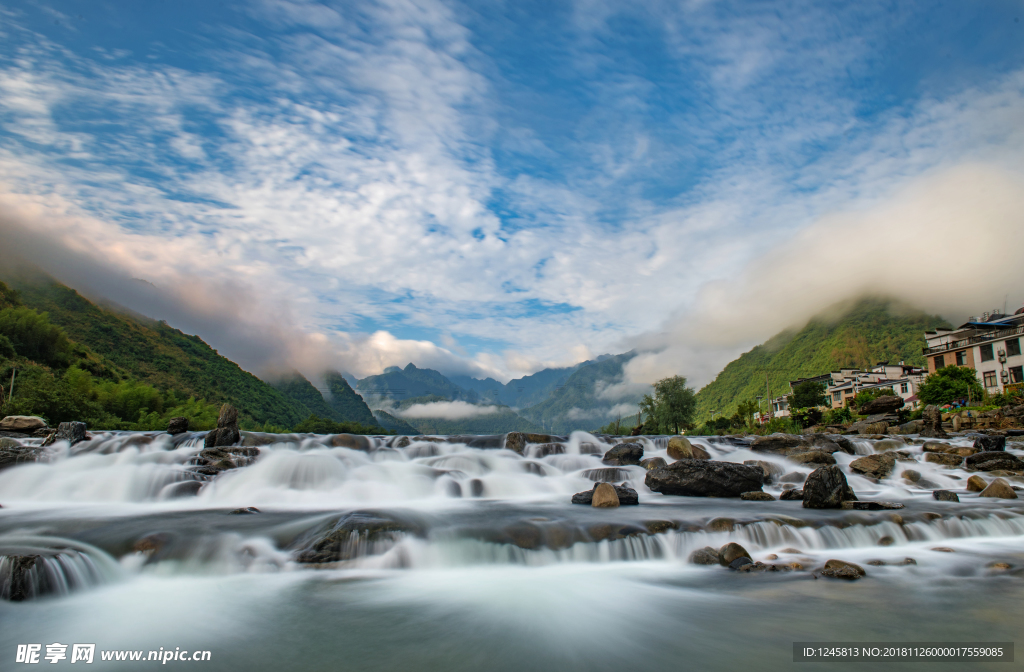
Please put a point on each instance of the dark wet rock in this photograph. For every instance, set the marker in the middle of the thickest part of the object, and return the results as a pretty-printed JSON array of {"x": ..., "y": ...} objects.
[
  {"x": 941, "y": 447},
  {"x": 623, "y": 454},
  {"x": 840, "y": 569},
  {"x": 544, "y": 438},
  {"x": 932, "y": 418},
  {"x": 545, "y": 449},
  {"x": 516, "y": 442},
  {"x": 177, "y": 425},
  {"x": 680, "y": 448},
  {"x": 613, "y": 531},
  {"x": 886, "y": 541},
  {"x": 866, "y": 427},
  {"x": 902, "y": 563},
  {"x": 652, "y": 463},
  {"x": 604, "y": 497},
  {"x": 180, "y": 489},
  {"x": 757, "y": 496},
  {"x": 888, "y": 444},
  {"x": 476, "y": 488},
  {"x": 605, "y": 475},
  {"x": 793, "y": 477},
  {"x": 740, "y": 562},
  {"x": 587, "y": 448},
  {"x": 912, "y": 427},
  {"x": 943, "y": 549},
  {"x": 226, "y": 433},
  {"x": 72, "y": 432},
  {"x": 660, "y": 526},
  {"x": 705, "y": 478},
  {"x": 401, "y": 442},
  {"x": 771, "y": 470},
  {"x": 779, "y": 444},
  {"x": 13, "y": 452},
  {"x": 911, "y": 475},
  {"x": 872, "y": 506},
  {"x": 19, "y": 584},
  {"x": 884, "y": 404},
  {"x": 244, "y": 511},
  {"x": 22, "y": 424},
  {"x": 730, "y": 552},
  {"x": 354, "y": 534},
  {"x": 877, "y": 466},
  {"x": 945, "y": 496},
  {"x": 976, "y": 483},
  {"x": 752, "y": 567},
  {"x": 791, "y": 495},
  {"x": 627, "y": 496},
  {"x": 991, "y": 461},
  {"x": 826, "y": 488},
  {"x": 998, "y": 489},
  {"x": 945, "y": 459},
  {"x": 832, "y": 443},
  {"x": 813, "y": 457},
  {"x": 704, "y": 556},
  {"x": 990, "y": 444},
  {"x": 352, "y": 442},
  {"x": 720, "y": 525}
]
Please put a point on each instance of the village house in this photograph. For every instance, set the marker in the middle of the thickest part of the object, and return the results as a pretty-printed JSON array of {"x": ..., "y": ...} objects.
[
  {"x": 989, "y": 344},
  {"x": 843, "y": 385}
]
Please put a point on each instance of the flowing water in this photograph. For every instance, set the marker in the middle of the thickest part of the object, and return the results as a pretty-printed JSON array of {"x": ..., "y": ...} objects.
[{"x": 487, "y": 566}]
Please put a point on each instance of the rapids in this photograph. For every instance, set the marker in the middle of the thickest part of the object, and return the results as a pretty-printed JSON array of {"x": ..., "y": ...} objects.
[{"x": 491, "y": 566}]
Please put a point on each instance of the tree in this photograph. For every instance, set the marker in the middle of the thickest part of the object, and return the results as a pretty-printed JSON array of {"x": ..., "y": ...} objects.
[
  {"x": 808, "y": 394},
  {"x": 949, "y": 384},
  {"x": 870, "y": 395},
  {"x": 745, "y": 412},
  {"x": 672, "y": 406}
]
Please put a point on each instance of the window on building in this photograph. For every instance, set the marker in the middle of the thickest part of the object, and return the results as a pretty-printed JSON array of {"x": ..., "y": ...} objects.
[
  {"x": 986, "y": 353},
  {"x": 940, "y": 362},
  {"x": 990, "y": 379},
  {"x": 837, "y": 395},
  {"x": 1013, "y": 347},
  {"x": 1017, "y": 374},
  {"x": 961, "y": 358},
  {"x": 904, "y": 388}
]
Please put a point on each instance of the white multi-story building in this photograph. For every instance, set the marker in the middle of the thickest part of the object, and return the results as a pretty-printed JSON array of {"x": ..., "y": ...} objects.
[
  {"x": 843, "y": 385},
  {"x": 989, "y": 344}
]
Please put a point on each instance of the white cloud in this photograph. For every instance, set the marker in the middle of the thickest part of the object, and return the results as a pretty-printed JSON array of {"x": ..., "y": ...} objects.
[{"x": 448, "y": 410}]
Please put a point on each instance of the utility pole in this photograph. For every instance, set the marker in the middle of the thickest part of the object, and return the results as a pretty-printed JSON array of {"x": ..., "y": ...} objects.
[
  {"x": 768, "y": 391},
  {"x": 11, "y": 395}
]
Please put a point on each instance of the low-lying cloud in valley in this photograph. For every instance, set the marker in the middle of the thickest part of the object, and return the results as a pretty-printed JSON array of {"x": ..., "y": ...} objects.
[{"x": 447, "y": 410}]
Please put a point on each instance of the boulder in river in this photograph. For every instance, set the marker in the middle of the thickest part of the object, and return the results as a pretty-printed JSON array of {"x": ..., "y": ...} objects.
[
  {"x": 990, "y": 444},
  {"x": 351, "y": 536},
  {"x": 877, "y": 466},
  {"x": 604, "y": 497},
  {"x": 516, "y": 442},
  {"x": 12, "y": 453},
  {"x": 757, "y": 496},
  {"x": 227, "y": 433},
  {"x": 945, "y": 496},
  {"x": 730, "y": 552},
  {"x": 247, "y": 510},
  {"x": 653, "y": 463},
  {"x": 840, "y": 569},
  {"x": 942, "y": 447},
  {"x": 932, "y": 418},
  {"x": 826, "y": 488},
  {"x": 995, "y": 460},
  {"x": 705, "y": 478},
  {"x": 72, "y": 432},
  {"x": 25, "y": 424},
  {"x": 623, "y": 454},
  {"x": 779, "y": 444},
  {"x": 945, "y": 459},
  {"x": 177, "y": 425},
  {"x": 813, "y": 457},
  {"x": 791, "y": 495},
  {"x": 999, "y": 489},
  {"x": 770, "y": 469},
  {"x": 352, "y": 442},
  {"x": 680, "y": 448},
  {"x": 704, "y": 556},
  {"x": 976, "y": 483},
  {"x": 627, "y": 496},
  {"x": 884, "y": 404}
]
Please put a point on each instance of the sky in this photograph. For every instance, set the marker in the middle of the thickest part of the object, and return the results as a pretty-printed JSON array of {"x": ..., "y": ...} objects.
[{"x": 489, "y": 188}]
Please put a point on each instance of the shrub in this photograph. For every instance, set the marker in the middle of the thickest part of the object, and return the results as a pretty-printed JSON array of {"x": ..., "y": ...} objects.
[{"x": 949, "y": 384}]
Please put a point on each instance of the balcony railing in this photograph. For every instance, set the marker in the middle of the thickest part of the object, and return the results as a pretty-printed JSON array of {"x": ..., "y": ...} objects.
[{"x": 975, "y": 340}]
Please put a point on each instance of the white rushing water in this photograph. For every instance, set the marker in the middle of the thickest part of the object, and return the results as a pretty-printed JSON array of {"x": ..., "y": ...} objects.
[{"x": 489, "y": 566}]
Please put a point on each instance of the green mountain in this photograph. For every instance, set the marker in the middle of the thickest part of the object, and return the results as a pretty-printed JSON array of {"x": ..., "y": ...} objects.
[
  {"x": 152, "y": 352},
  {"x": 296, "y": 387},
  {"x": 518, "y": 392},
  {"x": 396, "y": 384},
  {"x": 502, "y": 420},
  {"x": 393, "y": 424},
  {"x": 578, "y": 403},
  {"x": 346, "y": 404},
  {"x": 872, "y": 330}
]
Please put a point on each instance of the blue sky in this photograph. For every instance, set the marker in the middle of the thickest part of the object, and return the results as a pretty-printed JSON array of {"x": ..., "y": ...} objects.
[{"x": 484, "y": 187}]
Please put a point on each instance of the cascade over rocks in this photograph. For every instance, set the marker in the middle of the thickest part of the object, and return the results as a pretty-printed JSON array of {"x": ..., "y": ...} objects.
[
  {"x": 623, "y": 454},
  {"x": 778, "y": 443},
  {"x": 12, "y": 453},
  {"x": 945, "y": 459},
  {"x": 996, "y": 460},
  {"x": 705, "y": 478},
  {"x": 826, "y": 488},
  {"x": 939, "y": 447},
  {"x": 770, "y": 469},
  {"x": 227, "y": 433},
  {"x": 352, "y": 441},
  {"x": 626, "y": 496},
  {"x": 884, "y": 404},
  {"x": 516, "y": 442},
  {"x": 350, "y": 535},
  {"x": 177, "y": 425}
]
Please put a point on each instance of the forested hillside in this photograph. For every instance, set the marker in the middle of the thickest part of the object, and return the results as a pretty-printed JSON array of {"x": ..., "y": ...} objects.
[{"x": 873, "y": 330}]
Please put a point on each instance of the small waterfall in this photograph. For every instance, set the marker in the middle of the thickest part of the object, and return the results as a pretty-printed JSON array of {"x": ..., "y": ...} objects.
[{"x": 32, "y": 567}]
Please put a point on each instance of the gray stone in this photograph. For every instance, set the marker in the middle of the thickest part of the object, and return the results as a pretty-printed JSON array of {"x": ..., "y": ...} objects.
[
  {"x": 24, "y": 424},
  {"x": 72, "y": 432},
  {"x": 995, "y": 460},
  {"x": 990, "y": 444},
  {"x": 177, "y": 425},
  {"x": 623, "y": 454},
  {"x": 826, "y": 488},
  {"x": 730, "y": 552},
  {"x": 945, "y": 496},
  {"x": 877, "y": 466},
  {"x": 840, "y": 569},
  {"x": 757, "y": 496},
  {"x": 705, "y": 478},
  {"x": 704, "y": 556},
  {"x": 627, "y": 496}
]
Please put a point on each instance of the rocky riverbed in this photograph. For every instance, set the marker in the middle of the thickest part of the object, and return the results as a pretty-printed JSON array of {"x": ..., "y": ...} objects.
[{"x": 284, "y": 551}]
